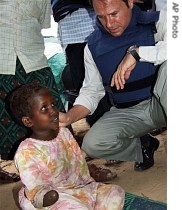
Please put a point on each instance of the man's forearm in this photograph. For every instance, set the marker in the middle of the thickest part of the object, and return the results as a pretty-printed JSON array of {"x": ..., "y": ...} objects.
[{"x": 76, "y": 113}]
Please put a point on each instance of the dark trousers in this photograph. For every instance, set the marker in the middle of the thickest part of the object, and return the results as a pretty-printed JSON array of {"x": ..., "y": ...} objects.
[{"x": 75, "y": 59}]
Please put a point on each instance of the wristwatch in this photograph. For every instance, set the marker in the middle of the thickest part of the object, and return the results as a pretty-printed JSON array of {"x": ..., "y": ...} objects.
[{"x": 132, "y": 50}]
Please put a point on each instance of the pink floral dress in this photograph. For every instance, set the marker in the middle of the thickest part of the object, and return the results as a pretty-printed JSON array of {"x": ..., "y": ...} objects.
[{"x": 60, "y": 165}]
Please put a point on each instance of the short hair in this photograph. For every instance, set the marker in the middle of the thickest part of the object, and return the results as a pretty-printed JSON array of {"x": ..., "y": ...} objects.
[
  {"x": 125, "y": 1},
  {"x": 20, "y": 100}
]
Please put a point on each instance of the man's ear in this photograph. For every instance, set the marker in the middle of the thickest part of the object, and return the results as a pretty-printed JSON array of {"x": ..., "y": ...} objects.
[
  {"x": 130, "y": 3},
  {"x": 27, "y": 122}
]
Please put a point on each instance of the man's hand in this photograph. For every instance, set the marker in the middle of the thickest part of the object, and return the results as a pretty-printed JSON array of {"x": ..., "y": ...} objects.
[
  {"x": 64, "y": 119},
  {"x": 123, "y": 71},
  {"x": 76, "y": 113}
]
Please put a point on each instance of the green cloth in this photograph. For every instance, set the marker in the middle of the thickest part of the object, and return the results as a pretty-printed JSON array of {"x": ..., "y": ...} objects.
[
  {"x": 134, "y": 202},
  {"x": 57, "y": 64}
]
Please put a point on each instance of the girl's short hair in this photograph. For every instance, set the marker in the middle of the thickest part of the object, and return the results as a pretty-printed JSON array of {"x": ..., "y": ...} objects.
[{"x": 20, "y": 100}]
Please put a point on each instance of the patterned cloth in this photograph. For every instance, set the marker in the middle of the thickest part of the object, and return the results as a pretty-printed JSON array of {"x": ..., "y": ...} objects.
[
  {"x": 75, "y": 28},
  {"x": 12, "y": 133},
  {"x": 60, "y": 165},
  {"x": 142, "y": 203}
]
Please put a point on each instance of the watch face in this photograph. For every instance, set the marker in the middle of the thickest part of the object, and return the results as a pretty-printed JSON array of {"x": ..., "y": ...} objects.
[{"x": 132, "y": 48}]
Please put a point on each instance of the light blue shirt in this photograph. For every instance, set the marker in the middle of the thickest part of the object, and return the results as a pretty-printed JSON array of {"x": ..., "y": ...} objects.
[{"x": 75, "y": 28}]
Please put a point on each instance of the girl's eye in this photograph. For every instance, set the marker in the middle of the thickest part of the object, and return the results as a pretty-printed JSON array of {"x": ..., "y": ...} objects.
[{"x": 43, "y": 108}]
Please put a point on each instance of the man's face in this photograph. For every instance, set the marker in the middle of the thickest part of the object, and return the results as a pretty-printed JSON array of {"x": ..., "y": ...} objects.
[{"x": 114, "y": 15}]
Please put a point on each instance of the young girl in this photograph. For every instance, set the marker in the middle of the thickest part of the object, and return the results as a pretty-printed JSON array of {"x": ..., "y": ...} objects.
[{"x": 52, "y": 167}]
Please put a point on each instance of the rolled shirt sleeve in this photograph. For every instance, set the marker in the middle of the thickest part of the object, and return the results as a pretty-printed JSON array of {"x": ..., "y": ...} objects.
[
  {"x": 156, "y": 54},
  {"x": 92, "y": 90}
]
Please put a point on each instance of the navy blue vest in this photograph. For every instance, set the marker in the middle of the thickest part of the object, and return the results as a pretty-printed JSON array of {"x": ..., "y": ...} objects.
[
  {"x": 61, "y": 8},
  {"x": 108, "y": 51}
]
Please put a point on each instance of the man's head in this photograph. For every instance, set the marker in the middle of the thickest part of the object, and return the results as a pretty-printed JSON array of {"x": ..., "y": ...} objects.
[{"x": 114, "y": 15}]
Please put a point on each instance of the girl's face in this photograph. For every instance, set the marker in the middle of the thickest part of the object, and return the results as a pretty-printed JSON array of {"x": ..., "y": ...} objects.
[{"x": 45, "y": 116}]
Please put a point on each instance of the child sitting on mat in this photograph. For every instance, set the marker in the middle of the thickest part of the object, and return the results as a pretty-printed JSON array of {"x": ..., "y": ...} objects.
[{"x": 52, "y": 166}]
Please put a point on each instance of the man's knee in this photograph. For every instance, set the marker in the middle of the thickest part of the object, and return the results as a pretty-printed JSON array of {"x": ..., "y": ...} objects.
[
  {"x": 160, "y": 89},
  {"x": 89, "y": 146}
]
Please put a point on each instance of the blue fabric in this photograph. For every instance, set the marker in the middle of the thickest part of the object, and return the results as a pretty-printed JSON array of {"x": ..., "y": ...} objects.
[
  {"x": 108, "y": 51},
  {"x": 61, "y": 8}
]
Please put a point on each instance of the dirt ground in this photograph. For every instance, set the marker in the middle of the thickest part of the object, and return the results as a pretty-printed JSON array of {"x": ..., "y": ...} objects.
[{"x": 151, "y": 183}]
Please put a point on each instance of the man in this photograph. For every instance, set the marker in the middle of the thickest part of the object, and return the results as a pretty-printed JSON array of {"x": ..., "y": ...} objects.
[{"x": 123, "y": 57}]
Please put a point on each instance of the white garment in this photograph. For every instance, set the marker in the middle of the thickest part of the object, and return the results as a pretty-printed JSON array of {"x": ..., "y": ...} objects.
[
  {"x": 161, "y": 5},
  {"x": 20, "y": 24},
  {"x": 52, "y": 31},
  {"x": 51, "y": 41},
  {"x": 157, "y": 54},
  {"x": 93, "y": 90}
]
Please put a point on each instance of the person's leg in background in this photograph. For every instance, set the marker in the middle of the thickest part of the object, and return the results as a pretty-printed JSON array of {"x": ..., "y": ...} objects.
[{"x": 75, "y": 58}]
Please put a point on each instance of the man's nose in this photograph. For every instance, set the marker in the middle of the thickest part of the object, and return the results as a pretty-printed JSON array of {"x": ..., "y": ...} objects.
[{"x": 109, "y": 22}]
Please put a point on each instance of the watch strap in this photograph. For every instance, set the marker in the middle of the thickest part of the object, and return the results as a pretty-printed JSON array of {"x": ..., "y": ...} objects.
[{"x": 133, "y": 52}]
